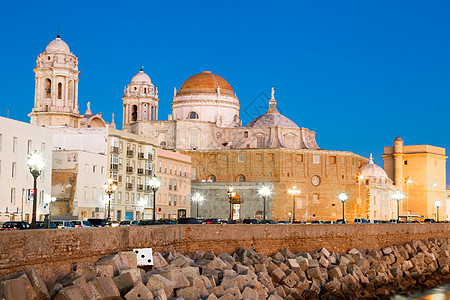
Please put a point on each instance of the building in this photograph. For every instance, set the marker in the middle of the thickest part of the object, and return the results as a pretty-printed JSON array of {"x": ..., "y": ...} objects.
[
  {"x": 78, "y": 177},
  {"x": 419, "y": 172},
  {"x": 174, "y": 170},
  {"x": 17, "y": 141}
]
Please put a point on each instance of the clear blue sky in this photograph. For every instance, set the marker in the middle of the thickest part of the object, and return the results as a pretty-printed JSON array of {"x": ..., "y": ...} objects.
[{"x": 357, "y": 73}]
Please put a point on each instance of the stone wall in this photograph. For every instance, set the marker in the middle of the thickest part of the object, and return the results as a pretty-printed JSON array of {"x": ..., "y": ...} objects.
[{"x": 51, "y": 252}]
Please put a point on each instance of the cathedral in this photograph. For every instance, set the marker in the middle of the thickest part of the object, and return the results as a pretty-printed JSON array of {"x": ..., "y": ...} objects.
[{"x": 271, "y": 150}]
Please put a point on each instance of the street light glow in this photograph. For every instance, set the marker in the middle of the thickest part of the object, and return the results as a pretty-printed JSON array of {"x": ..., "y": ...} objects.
[
  {"x": 434, "y": 185},
  {"x": 36, "y": 162},
  {"x": 155, "y": 183},
  {"x": 197, "y": 197},
  {"x": 294, "y": 191},
  {"x": 264, "y": 191},
  {"x": 343, "y": 197},
  {"x": 398, "y": 196},
  {"x": 437, "y": 203},
  {"x": 409, "y": 181}
]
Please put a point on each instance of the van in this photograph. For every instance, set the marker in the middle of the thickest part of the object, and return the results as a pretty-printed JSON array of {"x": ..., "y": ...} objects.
[
  {"x": 96, "y": 222},
  {"x": 63, "y": 224}
]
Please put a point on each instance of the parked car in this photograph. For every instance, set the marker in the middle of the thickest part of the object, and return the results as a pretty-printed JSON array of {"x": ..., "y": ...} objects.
[
  {"x": 283, "y": 222},
  {"x": 298, "y": 222},
  {"x": 147, "y": 222},
  {"x": 394, "y": 221},
  {"x": 317, "y": 222},
  {"x": 188, "y": 221},
  {"x": 416, "y": 221},
  {"x": 41, "y": 225},
  {"x": 250, "y": 221},
  {"x": 329, "y": 222},
  {"x": 268, "y": 222},
  {"x": 340, "y": 221},
  {"x": 15, "y": 225},
  {"x": 210, "y": 221},
  {"x": 128, "y": 223},
  {"x": 63, "y": 224},
  {"x": 82, "y": 224},
  {"x": 165, "y": 222},
  {"x": 429, "y": 221},
  {"x": 113, "y": 223},
  {"x": 97, "y": 222},
  {"x": 360, "y": 221},
  {"x": 234, "y": 222}
]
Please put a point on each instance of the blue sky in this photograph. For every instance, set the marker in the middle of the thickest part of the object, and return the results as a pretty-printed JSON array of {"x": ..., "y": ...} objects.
[{"x": 358, "y": 73}]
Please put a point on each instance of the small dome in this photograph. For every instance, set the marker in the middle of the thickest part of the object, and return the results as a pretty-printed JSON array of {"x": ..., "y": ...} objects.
[
  {"x": 141, "y": 77},
  {"x": 205, "y": 83},
  {"x": 57, "y": 46},
  {"x": 398, "y": 139},
  {"x": 372, "y": 170}
]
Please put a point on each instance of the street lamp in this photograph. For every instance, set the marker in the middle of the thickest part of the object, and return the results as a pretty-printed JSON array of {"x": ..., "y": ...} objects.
[
  {"x": 360, "y": 178},
  {"x": 265, "y": 192},
  {"x": 293, "y": 192},
  {"x": 198, "y": 198},
  {"x": 398, "y": 196},
  {"x": 343, "y": 198},
  {"x": 437, "y": 203},
  {"x": 155, "y": 183},
  {"x": 110, "y": 187},
  {"x": 231, "y": 193},
  {"x": 408, "y": 182},
  {"x": 36, "y": 164}
]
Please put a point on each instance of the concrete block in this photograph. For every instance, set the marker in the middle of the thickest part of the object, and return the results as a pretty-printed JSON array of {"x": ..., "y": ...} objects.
[
  {"x": 277, "y": 275},
  {"x": 38, "y": 285},
  {"x": 139, "y": 292},
  {"x": 157, "y": 282},
  {"x": 217, "y": 290},
  {"x": 177, "y": 277},
  {"x": 234, "y": 292},
  {"x": 75, "y": 279},
  {"x": 105, "y": 270},
  {"x": 159, "y": 261},
  {"x": 17, "y": 289},
  {"x": 88, "y": 271},
  {"x": 249, "y": 294},
  {"x": 72, "y": 292},
  {"x": 132, "y": 258},
  {"x": 188, "y": 293},
  {"x": 127, "y": 280},
  {"x": 160, "y": 295},
  {"x": 104, "y": 288}
]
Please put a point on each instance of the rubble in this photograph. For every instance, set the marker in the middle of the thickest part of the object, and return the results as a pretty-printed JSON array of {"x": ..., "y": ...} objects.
[{"x": 246, "y": 274}]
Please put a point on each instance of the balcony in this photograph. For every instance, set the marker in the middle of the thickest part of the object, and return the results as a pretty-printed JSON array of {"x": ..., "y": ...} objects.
[
  {"x": 130, "y": 153},
  {"x": 140, "y": 171},
  {"x": 129, "y": 186},
  {"x": 129, "y": 169},
  {"x": 141, "y": 155},
  {"x": 114, "y": 167},
  {"x": 140, "y": 187},
  {"x": 114, "y": 150}
]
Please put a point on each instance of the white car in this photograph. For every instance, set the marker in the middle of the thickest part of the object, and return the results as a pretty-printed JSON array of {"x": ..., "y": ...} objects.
[
  {"x": 82, "y": 224},
  {"x": 63, "y": 224}
]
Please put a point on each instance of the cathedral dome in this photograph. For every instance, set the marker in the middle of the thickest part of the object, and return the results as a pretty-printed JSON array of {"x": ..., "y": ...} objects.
[
  {"x": 57, "y": 46},
  {"x": 272, "y": 118},
  {"x": 205, "y": 83},
  {"x": 372, "y": 170},
  {"x": 141, "y": 77}
]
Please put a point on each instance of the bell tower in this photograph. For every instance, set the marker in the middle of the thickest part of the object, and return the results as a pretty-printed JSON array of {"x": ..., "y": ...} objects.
[{"x": 56, "y": 87}]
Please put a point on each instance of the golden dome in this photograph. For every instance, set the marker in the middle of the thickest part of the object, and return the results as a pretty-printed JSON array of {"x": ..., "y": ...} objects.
[{"x": 205, "y": 83}]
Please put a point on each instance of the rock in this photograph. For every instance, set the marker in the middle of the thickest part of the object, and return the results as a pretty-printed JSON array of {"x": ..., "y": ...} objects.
[
  {"x": 75, "y": 279},
  {"x": 217, "y": 290},
  {"x": 73, "y": 292},
  {"x": 212, "y": 297},
  {"x": 159, "y": 261},
  {"x": 54, "y": 288},
  {"x": 104, "y": 288},
  {"x": 160, "y": 295},
  {"x": 275, "y": 297},
  {"x": 177, "y": 277},
  {"x": 303, "y": 263},
  {"x": 17, "y": 288},
  {"x": 188, "y": 293},
  {"x": 234, "y": 292},
  {"x": 324, "y": 262},
  {"x": 105, "y": 270},
  {"x": 199, "y": 285},
  {"x": 277, "y": 275},
  {"x": 131, "y": 258},
  {"x": 139, "y": 292},
  {"x": 324, "y": 252},
  {"x": 278, "y": 256},
  {"x": 335, "y": 272},
  {"x": 228, "y": 282},
  {"x": 191, "y": 273},
  {"x": 38, "y": 285},
  {"x": 250, "y": 294},
  {"x": 127, "y": 280},
  {"x": 157, "y": 282},
  {"x": 88, "y": 271},
  {"x": 286, "y": 253},
  {"x": 290, "y": 280},
  {"x": 182, "y": 261},
  {"x": 118, "y": 262}
]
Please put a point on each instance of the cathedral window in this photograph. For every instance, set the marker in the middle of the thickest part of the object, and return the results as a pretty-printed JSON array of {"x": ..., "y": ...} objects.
[
  {"x": 134, "y": 113},
  {"x": 212, "y": 178},
  {"x": 235, "y": 119},
  {"x": 299, "y": 157},
  {"x": 245, "y": 134},
  {"x": 332, "y": 159},
  {"x": 260, "y": 141},
  {"x": 241, "y": 178},
  {"x": 316, "y": 159},
  {"x": 48, "y": 88},
  {"x": 193, "y": 139},
  {"x": 60, "y": 90},
  {"x": 71, "y": 90},
  {"x": 241, "y": 157},
  {"x": 193, "y": 115}
]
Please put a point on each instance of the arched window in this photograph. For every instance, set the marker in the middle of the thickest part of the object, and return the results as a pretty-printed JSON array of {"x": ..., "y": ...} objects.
[
  {"x": 59, "y": 90},
  {"x": 193, "y": 115},
  {"x": 235, "y": 119},
  {"x": 152, "y": 114},
  {"x": 241, "y": 178},
  {"x": 134, "y": 113},
  {"x": 245, "y": 134},
  {"x": 71, "y": 90},
  {"x": 212, "y": 178},
  {"x": 48, "y": 88},
  {"x": 145, "y": 90}
]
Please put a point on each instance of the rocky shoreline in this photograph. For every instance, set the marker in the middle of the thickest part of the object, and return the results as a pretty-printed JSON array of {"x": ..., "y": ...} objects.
[{"x": 360, "y": 273}]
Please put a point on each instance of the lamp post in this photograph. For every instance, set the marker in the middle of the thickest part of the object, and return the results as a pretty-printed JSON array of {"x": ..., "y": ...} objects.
[
  {"x": 231, "y": 193},
  {"x": 437, "y": 203},
  {"x": 293, "y": 192},
  {"x": 110, "y": 187},
  {"x": 198, "y": 198},
  {"x": 408, "y": 182},
  {"x": 36, "y": 164},
  {"x": 265, "y": 192},
  {"x": 155, "y": 183},
  {"x": 398, "y": 196},
  {"x": 360, "y": 178},
  {"x": 343, "y": 198}
]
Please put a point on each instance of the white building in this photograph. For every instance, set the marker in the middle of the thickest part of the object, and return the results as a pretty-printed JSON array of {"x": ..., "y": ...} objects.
[{"x": 17, "y": 141}]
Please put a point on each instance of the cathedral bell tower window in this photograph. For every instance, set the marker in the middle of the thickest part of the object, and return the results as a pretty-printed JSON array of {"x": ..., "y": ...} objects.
[
  {"x": 193, "y": 115},
  {"x": 48, "y": 88},
  {"x": 134, "y": 113},
  {"x": 60, "y": 90}
]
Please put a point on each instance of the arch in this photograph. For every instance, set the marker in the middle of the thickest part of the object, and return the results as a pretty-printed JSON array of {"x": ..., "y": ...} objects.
[
  {"x": 134, "y": 113},
  {"x": 96, "y": 122},
  {"x": 71, "y": 90},
  {"x": 193, "y": 115},
  {"x": 212, "y": 178},
  {"x": 59, "y": 90},
  {"x": 48, "y": 88},
  {"x": 241, "y": 178}
]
